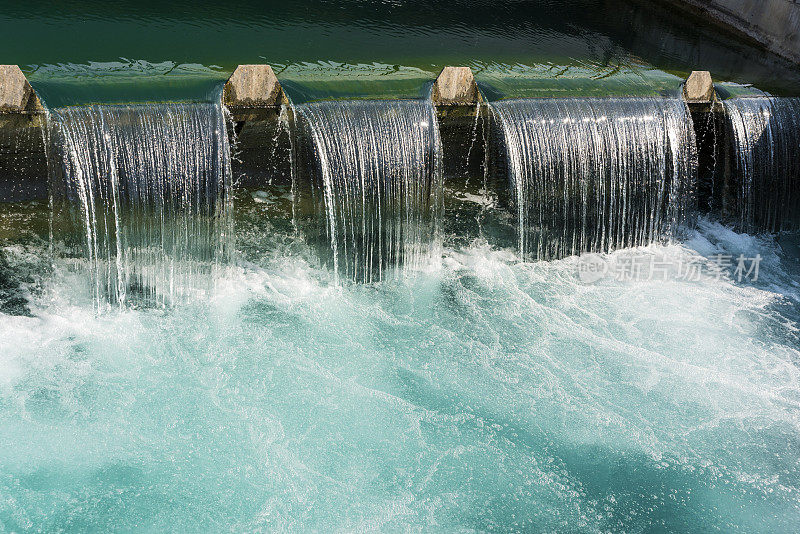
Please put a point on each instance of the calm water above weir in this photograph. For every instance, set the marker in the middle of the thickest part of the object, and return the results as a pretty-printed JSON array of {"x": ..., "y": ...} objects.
[{"x": 79, "y": 52}]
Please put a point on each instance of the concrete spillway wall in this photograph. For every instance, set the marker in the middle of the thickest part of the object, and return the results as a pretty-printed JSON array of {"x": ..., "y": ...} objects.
[{"x": 774, "y": 24}]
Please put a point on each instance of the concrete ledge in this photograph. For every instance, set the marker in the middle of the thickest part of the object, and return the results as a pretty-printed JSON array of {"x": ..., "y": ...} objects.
[
  {"x": 707, "y": 121},
  {"x": 16, "y": 94},
  {"x": 455, "y": 86},
  {"x": 774, "y": 24},
  {"x": 463, "y": 126}
]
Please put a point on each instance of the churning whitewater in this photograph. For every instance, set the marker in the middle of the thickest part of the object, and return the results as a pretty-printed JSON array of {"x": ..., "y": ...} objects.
[{"x": 490, "y": 394}]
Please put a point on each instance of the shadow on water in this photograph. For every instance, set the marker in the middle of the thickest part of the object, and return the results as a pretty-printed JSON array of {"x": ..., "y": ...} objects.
[{"x": 13, "y": 300}]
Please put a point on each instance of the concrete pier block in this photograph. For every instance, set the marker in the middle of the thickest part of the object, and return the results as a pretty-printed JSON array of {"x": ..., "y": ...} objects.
[
  {"x": 707, "y": 121},
  {"x": 259, "y": 119},
  {"x": 16, "y": 94},
  {"x": 23, "y": 166},
  {"x": 253, "y": 86},
  {"x": 462, "y": 125},
  {"x": 455, "y": 86},
  {"x": 699, "y": 88}
]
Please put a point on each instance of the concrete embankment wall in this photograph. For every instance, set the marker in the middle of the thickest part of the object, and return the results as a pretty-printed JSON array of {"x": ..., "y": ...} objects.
[{"x": 775, "y": 24}]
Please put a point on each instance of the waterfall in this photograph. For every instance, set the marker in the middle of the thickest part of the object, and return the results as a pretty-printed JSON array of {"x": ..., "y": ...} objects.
[
  {"x": 147, "y": 187},
  {"x": 596, "y": 174},
  {"x": 765, "y": 136},
  {"x": 377, "y": 184}
]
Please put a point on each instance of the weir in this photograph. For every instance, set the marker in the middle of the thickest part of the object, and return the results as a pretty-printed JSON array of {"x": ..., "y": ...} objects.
[
  {"x": 376, "y": 184},
  {"x": 141, "y": 193},
  {"x": 366, "y": 291},
  {"x": 596, "y": 174},
  {"x": 707, "y": 116}
]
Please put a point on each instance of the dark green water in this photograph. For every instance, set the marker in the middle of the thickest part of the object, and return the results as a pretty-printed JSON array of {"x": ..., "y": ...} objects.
[{"x": 77, "y": 52}]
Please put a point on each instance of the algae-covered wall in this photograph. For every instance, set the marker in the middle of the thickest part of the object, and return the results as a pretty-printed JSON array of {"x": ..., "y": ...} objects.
[{"x": 775, "y": 24}]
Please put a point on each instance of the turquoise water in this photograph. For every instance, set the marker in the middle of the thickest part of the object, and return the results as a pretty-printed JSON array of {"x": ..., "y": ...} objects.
[
  {"x": 480, "y": 394},
  {"x": 471, "y": 390}
]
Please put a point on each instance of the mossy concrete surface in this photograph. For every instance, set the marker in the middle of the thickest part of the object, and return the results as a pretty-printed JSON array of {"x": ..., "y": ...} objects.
[{"x": 774, "y": 24}]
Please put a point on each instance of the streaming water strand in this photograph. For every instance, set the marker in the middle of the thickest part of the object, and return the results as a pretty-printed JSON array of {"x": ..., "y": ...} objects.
[
  {"x": 764, "y": 191},
  {"x": 378, "y": 185},
  {"x": 148, "y": 187},
  {"x": 596, "y": 174}
]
